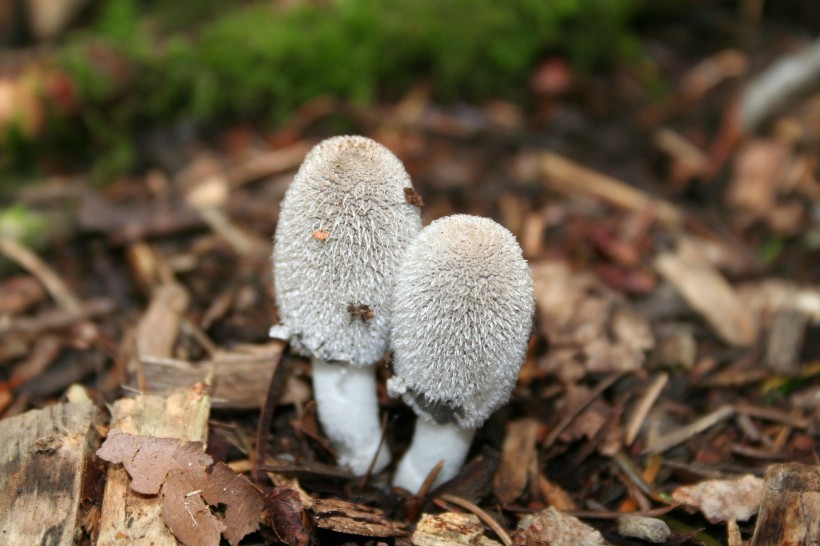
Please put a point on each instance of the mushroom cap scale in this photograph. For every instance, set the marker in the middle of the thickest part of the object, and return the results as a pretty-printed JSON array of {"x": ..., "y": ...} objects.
[
  {"x": 462, "y": 315},
  {"x": 343, "y": 226}
]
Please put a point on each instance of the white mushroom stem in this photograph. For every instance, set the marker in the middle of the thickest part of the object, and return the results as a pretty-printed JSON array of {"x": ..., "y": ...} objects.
[
  {"x": 348, "y": 410},
  {"x": 431, "y": 444}
]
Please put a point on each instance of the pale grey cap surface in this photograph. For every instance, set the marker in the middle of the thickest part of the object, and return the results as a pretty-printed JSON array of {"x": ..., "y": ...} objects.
[
  {"x": 343, "y": 227},
  {"x": 462, "y": 316}
]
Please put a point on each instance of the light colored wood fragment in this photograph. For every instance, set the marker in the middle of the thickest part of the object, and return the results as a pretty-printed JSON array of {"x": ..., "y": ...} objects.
[
  {"x": 44, "y": 457},
  {"x": 451, "y": 529},
  {"x": 708, "y": 293},
  {"x": 562, "y": 174},
  {"x": 128, "y": 518},
  {"x": 790, "y": 507}
]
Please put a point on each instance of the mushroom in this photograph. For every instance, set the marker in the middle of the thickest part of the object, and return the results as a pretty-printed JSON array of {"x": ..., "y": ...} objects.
[
  {"x": 343, "y": 227},
  {"x": 462, "y": 315}
]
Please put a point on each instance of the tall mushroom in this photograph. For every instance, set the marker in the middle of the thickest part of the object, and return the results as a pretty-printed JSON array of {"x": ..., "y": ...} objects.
[
  {"x": 343, "y": 227},
  {"x": 462, "y": 314}
]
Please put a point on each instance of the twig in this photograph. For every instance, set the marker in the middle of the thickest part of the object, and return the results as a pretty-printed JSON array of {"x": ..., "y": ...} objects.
[
  {"x": 277, "y": 380},
  {"x": 30, "y": 261},
  {"x": 375, "y": 457},
  {"x": 428, "y": 482},
  {"x": 565, "y": 175},
  {"x": 681, "y": 435},
  {"x": 482, "y": 515},
  {"x": 57, "y": 318},
  {"x": 568, "y": 419},
  {"x": 771, "y": 414},
  {"x": 644, "y": 405}
]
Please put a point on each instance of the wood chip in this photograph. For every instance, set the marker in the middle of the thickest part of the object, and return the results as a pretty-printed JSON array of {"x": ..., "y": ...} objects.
[
  {"x": 239, "y": 378},
  {"x": 790, "y": 507},
  {"x": 450, "y": 529},
  {"x": 47, "y": 460},
  {"x": 354, "y": 519},
  {"x": 708, "y": 293}
]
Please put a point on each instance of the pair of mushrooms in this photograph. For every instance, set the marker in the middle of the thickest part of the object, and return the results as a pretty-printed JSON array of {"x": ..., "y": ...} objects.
[{"x": 356, "y": 275}]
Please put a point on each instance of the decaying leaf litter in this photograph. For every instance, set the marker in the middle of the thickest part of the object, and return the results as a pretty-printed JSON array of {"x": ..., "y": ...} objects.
[{"x": 672, "y": 375}]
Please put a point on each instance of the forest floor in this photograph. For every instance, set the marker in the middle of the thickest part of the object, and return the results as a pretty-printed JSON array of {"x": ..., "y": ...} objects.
[{"x": 674, "y": 369}]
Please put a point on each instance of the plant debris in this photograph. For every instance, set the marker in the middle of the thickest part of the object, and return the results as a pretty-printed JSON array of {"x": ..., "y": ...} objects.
[{"x": 191, "y": 487}]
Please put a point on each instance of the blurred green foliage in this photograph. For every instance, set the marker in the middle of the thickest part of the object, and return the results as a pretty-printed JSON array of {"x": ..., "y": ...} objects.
[{"x": 135, "y": 67}]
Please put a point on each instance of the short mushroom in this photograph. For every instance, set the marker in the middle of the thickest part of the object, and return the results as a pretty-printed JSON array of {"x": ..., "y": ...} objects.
[
  {"x": 462, "y": 315},
  {"x": 343, "y": 226}
]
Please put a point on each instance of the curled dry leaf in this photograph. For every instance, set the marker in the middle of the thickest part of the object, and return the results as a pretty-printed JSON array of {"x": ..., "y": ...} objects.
[
  {"x": 723, "y": 500},
  {"x": 553, "y": 528},
  {"x": 285, "y": 515}
]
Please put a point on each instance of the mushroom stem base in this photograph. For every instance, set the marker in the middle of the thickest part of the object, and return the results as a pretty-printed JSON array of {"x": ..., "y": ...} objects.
[
  {"x": 431, "y": 444},
  {"x": 348, "y": 409}
]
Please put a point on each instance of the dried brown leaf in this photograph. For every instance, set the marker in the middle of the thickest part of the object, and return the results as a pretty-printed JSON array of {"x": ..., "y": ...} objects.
[
  {"x": 186, "y": 513},
  {"x": 189, "y": 486},
  {"x": 243, "y": 502},
  {"x": 147, "y": 459}
]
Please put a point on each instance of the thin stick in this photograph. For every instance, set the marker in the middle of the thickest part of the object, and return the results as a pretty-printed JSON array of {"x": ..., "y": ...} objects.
[
  {"x": 565, "y": 175},
  {"x": 373, "y": 460},
  {"x": 482, "y": 515},
  {"x": 681, "y": 435},
  {"x": 644, "y": 405},
  {"x": 277, "y": 380},
  {"x": 568, "y": 419},
  {"x": 428, "y": 482},
  {"x": 32, "y": 263}
]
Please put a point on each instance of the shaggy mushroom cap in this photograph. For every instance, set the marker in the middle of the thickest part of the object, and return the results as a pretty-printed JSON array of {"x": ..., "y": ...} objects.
[
  {"x": 462, "y": 315},
  {"x": 344, "y": 224}
]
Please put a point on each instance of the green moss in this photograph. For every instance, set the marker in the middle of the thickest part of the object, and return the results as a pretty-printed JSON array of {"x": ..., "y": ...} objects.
[{"x": 257, "y": 62}]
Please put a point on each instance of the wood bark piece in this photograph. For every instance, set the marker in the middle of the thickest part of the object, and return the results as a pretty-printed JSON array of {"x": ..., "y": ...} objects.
[
  {"x": 129, "y": 518},
  {"x": 790, "y": 507},
  {"x": 353, "y": 519},
  {"x": 45, "y": 460},
  {"x": 239, "y": 379},
  {"x": 709, "y": 294}
]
